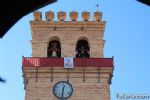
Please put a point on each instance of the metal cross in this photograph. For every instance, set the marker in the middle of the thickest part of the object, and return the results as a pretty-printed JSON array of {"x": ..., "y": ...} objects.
[{"x": 97, "y": 5}]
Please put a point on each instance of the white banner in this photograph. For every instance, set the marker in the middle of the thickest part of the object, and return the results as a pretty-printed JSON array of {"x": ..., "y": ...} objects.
[{"x": 68, "y": 62}]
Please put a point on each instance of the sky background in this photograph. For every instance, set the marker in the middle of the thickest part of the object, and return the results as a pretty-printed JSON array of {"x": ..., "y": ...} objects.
[{"x": 127, "y": 36}]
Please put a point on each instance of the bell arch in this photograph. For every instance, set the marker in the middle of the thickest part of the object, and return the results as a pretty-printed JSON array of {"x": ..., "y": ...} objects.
[
  {"x": 83, "y": 48},
  {"x": 54, "y": 47}
]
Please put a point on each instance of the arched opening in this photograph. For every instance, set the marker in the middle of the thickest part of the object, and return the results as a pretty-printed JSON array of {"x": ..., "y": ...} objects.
[
  {"x": 54, "y": 49},
  {"x": 82, "y": 49}
]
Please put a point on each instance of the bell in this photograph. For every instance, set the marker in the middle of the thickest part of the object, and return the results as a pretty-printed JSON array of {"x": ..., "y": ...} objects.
[{"x": 54, "y": 54}]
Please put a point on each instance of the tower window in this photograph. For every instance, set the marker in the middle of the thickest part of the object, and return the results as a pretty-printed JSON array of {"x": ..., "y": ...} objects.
[
  {"x": 54, "y": 49},
  {"x": 82, "y": 49}
]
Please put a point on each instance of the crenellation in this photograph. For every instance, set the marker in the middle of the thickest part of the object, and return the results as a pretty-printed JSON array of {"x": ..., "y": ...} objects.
[
  {"x": 97, "y": 16},
  {"x": 37, "y": 16},
  {"x": 49, "y": 16},
  {"x": 61, "y": 16},
  {"x": 85, "y": 16},
  {"x": 74, "y": 16}
]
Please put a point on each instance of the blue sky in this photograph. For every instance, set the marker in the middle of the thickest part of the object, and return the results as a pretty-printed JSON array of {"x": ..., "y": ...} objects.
[{"x": 127, "y": 35}]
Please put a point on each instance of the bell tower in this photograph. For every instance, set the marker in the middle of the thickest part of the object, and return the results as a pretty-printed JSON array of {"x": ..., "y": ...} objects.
[{"x": 67, "y": 60}]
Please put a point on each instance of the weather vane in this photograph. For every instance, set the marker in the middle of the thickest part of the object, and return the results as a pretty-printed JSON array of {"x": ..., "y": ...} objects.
[{"x": 97, "y": 5}]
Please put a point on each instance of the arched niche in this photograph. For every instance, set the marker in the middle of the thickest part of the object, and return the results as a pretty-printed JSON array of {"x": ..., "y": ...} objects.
[
  {"x": 82, "y": 48},
  {"x": 54, "y": 48}
]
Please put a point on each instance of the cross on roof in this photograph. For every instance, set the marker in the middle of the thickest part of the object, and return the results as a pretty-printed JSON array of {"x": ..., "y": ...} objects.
[{"x": 97, "y": 5}]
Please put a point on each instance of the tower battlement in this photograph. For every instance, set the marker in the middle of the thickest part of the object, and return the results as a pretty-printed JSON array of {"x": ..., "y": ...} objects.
[{"x": 61, "y": 16}]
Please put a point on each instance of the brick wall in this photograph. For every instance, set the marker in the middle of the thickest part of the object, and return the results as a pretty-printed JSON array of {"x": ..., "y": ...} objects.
[
  {"x": 68, "y": 33},
  {"x": 88, "y": 84}
]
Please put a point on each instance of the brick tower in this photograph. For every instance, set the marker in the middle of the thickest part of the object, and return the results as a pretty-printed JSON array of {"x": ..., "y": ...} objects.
[{"x": 67, "y": 60}]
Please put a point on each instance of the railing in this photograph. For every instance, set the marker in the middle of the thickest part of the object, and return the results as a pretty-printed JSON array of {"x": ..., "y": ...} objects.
[{"x": 59, "y": 62}]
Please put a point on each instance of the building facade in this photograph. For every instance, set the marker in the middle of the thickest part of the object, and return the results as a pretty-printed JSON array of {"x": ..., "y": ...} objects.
[{"x": 78, "y": 42}]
